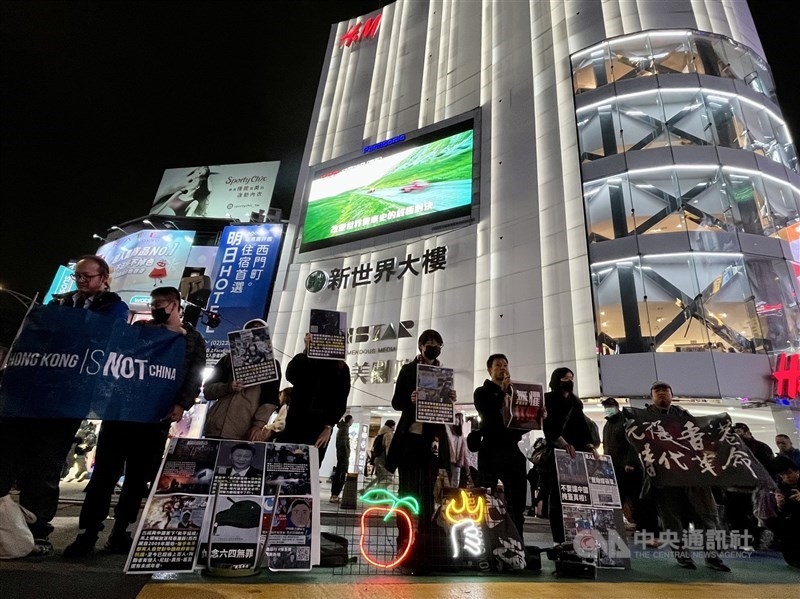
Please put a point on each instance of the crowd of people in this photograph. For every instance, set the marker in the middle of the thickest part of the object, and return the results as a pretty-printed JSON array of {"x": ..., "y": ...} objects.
[{"x": 421, "y": 453}]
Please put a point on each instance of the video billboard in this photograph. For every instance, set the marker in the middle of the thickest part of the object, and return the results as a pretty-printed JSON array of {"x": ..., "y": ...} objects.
[
  {"x": 216, "y": 191},
  {"x": 414, "y": 182}
]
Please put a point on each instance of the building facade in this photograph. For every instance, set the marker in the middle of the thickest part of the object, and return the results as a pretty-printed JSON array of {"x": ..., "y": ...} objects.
[{"x": 635, "y": 198}]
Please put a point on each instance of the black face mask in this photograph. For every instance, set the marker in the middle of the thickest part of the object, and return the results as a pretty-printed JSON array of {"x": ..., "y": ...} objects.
[
  {"x": 159, "y": 315},
  {"x": 432, "y": 352},
  {"x": 567, "y": 386}
]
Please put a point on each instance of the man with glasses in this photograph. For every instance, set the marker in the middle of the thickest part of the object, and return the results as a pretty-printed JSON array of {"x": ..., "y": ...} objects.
[
  {"x": 36, "y": 466},
  {"x": 137, "y": 446}
]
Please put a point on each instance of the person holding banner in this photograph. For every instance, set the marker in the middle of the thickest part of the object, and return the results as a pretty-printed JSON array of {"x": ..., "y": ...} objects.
[
  {"x": 499, "y": 456},
  {"x": 239, "y": 412},
  {"x": 680, "y": 506},
  {"x": 564, "y": 428},
  {"x": 418, "y": 451},
  {"x": 32, "y": 451},
  {"x": 137, "y": 446}
]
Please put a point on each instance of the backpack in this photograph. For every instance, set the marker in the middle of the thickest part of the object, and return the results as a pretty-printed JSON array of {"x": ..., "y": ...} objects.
[
  {"x": 378, "y": 449},
  {"x": 333, "y": 551}
]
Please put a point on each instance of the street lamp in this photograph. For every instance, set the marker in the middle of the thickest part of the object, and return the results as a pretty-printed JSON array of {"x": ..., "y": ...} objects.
[
  {"x": 147, "y": 222},
  {"x": 20, "y": 297},
  {"x": 96, "y": 236},
  {"x": 116, "y": 228}
]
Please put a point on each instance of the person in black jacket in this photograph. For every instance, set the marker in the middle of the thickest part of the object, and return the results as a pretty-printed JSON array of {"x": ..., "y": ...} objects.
[
  {"x": 499, "y": 456},
  {"x": 32, "y": 451},
  {"x": 319, "y": 399},
  {"x": 418, "y": 451},
  {"x": 137, "y": 446},
  {"x": 564, "y": 428}
]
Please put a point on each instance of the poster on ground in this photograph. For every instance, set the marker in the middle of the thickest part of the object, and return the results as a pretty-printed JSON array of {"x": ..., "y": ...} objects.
[
  {"x": 591, "y": 508},
  {"x": 210, "y": 506},
  {"x": 434, "y": 385}
]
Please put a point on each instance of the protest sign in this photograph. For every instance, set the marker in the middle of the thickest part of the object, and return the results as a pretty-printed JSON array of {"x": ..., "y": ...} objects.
[
  {"x": 434, "y": 385},
  {"x": 252, "y": 358}
]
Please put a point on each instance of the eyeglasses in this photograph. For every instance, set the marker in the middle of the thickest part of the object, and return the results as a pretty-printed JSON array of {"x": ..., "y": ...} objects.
[{"x": 80, "y": 276}]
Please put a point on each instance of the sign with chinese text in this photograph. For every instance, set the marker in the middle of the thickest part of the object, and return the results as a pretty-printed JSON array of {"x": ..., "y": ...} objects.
[
  {"x": 145, "y": 260},
  {"x": 328, "y": 330},
  {"x": 242, "y": 276},
  {"x": 216, "y": 191},
  {"x": 252, "y": 357},
  {"x": 214, "y": 502},
  {"x": 679, "y": 450},
  {"x": 525, "y": 410},
  {"x": 381, "y": 271},
  {"x": 434, "y": 385}
]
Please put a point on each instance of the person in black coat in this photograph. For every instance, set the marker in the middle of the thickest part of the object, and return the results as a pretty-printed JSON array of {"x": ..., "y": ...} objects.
[
  {"x": 499, "y": 456},
  {"x": 418, "y": 450},
  {"x": 319, "y": 399},
  {"x": 564, "y": 428}
]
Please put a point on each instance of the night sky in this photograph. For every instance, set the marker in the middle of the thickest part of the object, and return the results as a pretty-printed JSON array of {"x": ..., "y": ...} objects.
[{"x": 99, "y": 98}]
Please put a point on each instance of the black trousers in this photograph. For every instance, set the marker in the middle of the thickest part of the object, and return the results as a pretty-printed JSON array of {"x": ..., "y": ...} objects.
[
  {"x": 134, "y": 446},
  {"x": 508, "y": 465},
  {"x": 417, "y": 477},
  {"x": 342, "y": 463},
  {"x": 32, "y": 454}
]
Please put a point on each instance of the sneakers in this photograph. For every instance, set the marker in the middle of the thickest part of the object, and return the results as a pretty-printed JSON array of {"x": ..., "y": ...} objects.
[
  {"x": 715, "y": 563},
  {"x": 82, "y": 546},
  {"x": 686, "y": 562},
  {"x": 119, "y": 543}
]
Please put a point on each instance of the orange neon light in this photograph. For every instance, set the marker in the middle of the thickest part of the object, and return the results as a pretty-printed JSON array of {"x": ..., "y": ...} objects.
[
  {"x": 387, "y": 511},
  {"x": 458, "y": 510}
]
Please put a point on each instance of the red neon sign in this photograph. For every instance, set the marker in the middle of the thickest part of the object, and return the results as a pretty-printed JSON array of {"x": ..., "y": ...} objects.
[
  {"x": 356, "y": 33},
  {"x": 787, "y": 376}
]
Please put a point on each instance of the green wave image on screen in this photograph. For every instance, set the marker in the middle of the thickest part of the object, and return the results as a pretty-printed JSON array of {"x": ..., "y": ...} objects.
[{"x": 438, "y": 174}]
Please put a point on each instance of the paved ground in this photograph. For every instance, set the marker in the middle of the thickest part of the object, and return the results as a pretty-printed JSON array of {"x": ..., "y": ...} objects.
[{"x": 763, "y": 574}]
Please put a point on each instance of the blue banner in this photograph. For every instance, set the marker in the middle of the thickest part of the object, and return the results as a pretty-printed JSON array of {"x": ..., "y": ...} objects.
[
  {"x": 62, "y": 283},
  {"x": 243, "y": 274},
  {"x": 70, "y": 363}
]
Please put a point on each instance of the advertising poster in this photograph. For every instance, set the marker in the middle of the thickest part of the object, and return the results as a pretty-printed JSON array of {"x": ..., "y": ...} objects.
[
  {"x": 216, "y": 191},
  {"x": 251, "y": 356},
  {"x": 526, "y": 408},
  {"x": 142, "y": 261},
  {"x": 434, "y": 385},
  {"x": 198, "y": 515},
  {"x": 62, "y": 283},
  {"x": 591, "y": 508},
  {"x": 243, "y": 273},
  {"x": 328, "y": 330}
]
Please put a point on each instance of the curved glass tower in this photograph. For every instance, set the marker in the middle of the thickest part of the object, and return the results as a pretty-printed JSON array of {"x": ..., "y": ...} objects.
[{"x": 692, "y": 205}]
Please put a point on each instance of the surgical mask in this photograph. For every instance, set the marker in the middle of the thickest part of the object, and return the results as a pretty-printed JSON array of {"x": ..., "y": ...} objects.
[
  {"x": 432, "y": 352},
  {"x": 567, "y": 386},
  {"x": 610, "y": 412},
  {"x": 159, "y": 315}
]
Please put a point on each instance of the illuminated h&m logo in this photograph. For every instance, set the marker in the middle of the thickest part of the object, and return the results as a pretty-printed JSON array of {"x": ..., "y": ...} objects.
[
  {"x": 787, "y": 376},
  {"x": 361, "y": 31}
]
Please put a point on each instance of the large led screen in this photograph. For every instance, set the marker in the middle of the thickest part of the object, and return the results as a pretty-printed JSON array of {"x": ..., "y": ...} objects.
[{"x": 424, "y": 180}]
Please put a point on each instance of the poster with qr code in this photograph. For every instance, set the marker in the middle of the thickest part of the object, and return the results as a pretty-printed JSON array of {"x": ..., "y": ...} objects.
[
  {"x": 328, "y": 331},
  {"x": 252, "y": 357}
]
